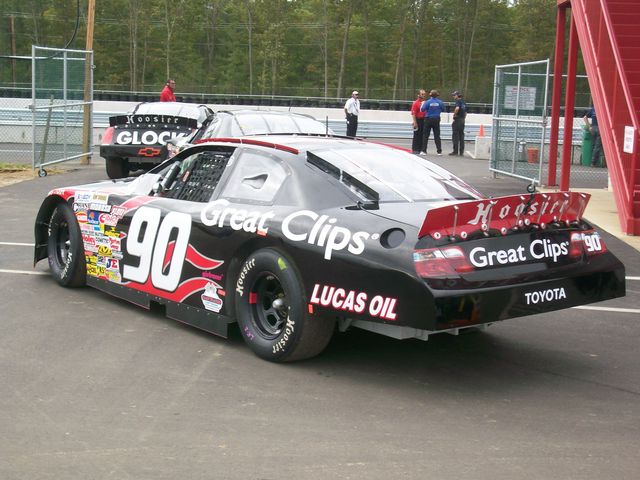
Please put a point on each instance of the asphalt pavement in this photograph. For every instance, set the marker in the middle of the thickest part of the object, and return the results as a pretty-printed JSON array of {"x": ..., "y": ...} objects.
[{"x": 94, "y": 387}]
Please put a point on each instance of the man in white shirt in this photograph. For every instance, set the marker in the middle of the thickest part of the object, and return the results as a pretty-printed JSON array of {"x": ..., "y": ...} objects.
[{"x": 352, "y": 110}]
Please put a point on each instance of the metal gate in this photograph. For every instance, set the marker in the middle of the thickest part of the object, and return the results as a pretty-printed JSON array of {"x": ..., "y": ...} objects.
[
  {"x": 62, "y": 105},
  {"x": 520, "y": 119}
]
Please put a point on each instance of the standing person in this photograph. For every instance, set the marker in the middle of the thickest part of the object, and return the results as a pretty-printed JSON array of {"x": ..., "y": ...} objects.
[
  {"x": 595, "y": 134},
  {"x": 457, "y": 127},
  {"x": 167, "y": 94},
  {"x": 433, "y": 108},
  {"x": 352, "y": 110},
  {"x": 418, "y": 122}
]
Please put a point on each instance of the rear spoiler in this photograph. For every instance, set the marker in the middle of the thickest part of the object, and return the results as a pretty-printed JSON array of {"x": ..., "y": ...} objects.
[
  {"x": 504, "y": 214},
  {"x": 137, "y": 119}
]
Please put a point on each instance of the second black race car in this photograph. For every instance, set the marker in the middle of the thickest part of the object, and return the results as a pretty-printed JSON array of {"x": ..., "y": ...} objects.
[
  {"x": 134, "y": 140},
  {"x": 241, "y": 123},
  {"x": 291, "y": 236}
]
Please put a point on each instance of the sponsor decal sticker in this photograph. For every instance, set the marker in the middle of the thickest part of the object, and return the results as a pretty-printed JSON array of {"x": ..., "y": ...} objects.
[
  {"x": 354, "y": 301},
  {"x": 210, "y": 298},
  {"x": 539, "y": 249},
  {"x": 148, "y": 137},
  {"x": 301, "y": 226},
  {"x": 544, "y": 296},
  {"x": 100, "y": 207},
  {"x": 218, "y": 213}
]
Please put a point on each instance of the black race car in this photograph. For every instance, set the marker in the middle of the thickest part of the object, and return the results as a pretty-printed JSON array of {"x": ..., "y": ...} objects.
[
  {"x": 241, "y": 123},
  {"x": 290, "y": 236},
  {"x": 135, "y": 140}
]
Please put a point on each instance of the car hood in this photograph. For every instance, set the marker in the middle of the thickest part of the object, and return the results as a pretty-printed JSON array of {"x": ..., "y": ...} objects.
[{"x": 141, "y": 185}]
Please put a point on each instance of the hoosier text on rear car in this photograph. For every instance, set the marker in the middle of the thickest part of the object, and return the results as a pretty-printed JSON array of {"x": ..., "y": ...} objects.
[{"x": 291, "y": 236}]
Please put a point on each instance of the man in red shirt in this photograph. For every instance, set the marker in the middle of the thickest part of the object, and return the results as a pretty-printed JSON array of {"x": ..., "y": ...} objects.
[
  {"x": 418, "y": 122},
  {"x": 167, "y": 92}
]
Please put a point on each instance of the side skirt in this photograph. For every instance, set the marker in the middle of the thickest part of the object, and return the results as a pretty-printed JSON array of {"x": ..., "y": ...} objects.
[{"x": 196, "y": 317}]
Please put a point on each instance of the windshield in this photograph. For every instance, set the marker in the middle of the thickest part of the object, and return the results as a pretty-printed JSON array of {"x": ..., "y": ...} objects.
[{"x": 397, "y": 176}]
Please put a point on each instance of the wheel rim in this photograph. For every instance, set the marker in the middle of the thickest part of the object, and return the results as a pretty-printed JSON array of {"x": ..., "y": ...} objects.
[
  {"x": 63, "y": 243},
  {"x": 270, "y": 305}
]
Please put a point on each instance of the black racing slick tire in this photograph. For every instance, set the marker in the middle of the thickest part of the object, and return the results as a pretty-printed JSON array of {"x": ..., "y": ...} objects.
[
  {"x": 271, "y": 310},
  {"x": 117, "y": 167},
  {"x": 65, "y": 250}
]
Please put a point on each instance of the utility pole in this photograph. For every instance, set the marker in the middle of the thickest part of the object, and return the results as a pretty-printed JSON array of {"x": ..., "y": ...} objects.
[
  {"x": 87, "y": 127},
  {"x": 12, "y": 33}
]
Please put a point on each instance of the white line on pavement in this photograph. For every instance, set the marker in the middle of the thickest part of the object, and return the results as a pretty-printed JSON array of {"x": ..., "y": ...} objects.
[
  {"x": 608, "y": 309},
  {"x": 24, "y": 272},
  {"x": 16, "y": 244}
]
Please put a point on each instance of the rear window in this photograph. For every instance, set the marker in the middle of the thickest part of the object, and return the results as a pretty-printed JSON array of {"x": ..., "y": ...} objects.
[
  {"x": 397, "y": 176},
  {"x": 309, "y": 125},
  {"x": 265, "y": 123}
]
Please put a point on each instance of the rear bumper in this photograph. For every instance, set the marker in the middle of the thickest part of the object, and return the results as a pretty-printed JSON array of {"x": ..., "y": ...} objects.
[
  {"x": 136, "y": 153},
  {"x": 475, "y": 307}
]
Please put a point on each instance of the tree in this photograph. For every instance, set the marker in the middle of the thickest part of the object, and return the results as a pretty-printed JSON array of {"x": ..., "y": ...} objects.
[
  {"x": 345, "y": 44},
  {"x": 385, "y": 48}
]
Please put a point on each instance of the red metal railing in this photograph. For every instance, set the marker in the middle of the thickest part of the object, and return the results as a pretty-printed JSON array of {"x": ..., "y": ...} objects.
[{"x": 610, "y": 48}]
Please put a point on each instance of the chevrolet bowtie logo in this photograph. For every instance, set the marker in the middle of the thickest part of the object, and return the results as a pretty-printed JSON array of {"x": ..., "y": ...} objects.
[{"x": 149, "y": 152}]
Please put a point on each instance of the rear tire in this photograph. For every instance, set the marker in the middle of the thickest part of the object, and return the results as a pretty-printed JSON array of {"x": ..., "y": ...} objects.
[
  {"x": 117, "y": 167},
  {"x": 271, "y": 309},
  {"x": 65, "y": 250}
]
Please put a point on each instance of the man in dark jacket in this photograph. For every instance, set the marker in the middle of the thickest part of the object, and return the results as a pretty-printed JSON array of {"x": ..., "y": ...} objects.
[{"x": 457, "y": 127}]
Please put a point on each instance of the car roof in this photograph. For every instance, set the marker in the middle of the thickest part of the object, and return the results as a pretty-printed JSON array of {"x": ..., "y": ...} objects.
[
  {"x": 297, "y": 143},
  {"x": 303, "y": 142},
  {"x": 190, "y": 110},
  {"x": 265, "y": 112}
]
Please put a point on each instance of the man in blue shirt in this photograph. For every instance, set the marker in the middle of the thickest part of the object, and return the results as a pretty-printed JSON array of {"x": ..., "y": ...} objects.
[
  {"x": 595, "y": 134},
  {"x": 432, "y": 108}
]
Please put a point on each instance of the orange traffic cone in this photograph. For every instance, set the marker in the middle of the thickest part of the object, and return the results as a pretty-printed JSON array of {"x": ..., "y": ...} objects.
[{"x": 481, "y": 131}]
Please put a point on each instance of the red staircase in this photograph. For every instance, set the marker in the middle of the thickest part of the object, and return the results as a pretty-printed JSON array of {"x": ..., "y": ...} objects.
[{"x": 609, "y": 35}]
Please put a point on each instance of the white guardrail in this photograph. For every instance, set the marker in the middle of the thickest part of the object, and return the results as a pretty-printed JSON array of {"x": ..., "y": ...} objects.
[{"x": 16, "y": 124}]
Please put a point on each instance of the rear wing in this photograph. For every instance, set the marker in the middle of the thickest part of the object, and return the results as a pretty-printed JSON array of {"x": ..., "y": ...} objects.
[
  {"x": 504, "y": 214},
  {"x": 136, "y": 120}
]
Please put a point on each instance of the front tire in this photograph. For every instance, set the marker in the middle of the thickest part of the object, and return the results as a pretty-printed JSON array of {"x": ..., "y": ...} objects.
[
  {"x": 117, "y": 167},
  {"x": 271, "y": 309},
  {"x": 65, "y": 250}
]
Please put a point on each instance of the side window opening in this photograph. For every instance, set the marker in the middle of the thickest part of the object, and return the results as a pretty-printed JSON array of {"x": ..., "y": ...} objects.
[{"x": 199, "y": 175}]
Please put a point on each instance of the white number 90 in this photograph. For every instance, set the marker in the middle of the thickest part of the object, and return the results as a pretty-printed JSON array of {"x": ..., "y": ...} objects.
[
  {"x": 593, "y": 242},
  {"x": 151, "y": 249}
]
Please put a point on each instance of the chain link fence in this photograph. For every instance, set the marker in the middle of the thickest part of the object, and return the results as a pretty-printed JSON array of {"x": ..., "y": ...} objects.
[
  {"x": 15, "y": 115},
  {"x": 520, "y": 130},
  {"x": 45, "y": 107},
  {"x": 61, "y": 105}
]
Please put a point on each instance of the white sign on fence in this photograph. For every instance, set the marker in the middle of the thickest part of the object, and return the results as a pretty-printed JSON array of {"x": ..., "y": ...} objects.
[
  {"x": 629, "y": 137},
  {"x": 527, "y": 97}
]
